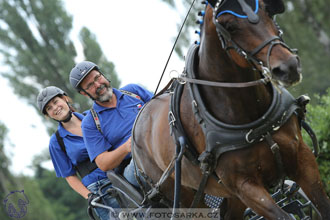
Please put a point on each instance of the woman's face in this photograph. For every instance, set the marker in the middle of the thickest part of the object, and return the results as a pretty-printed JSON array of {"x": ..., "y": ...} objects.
[{"x": 57, "y": 108}]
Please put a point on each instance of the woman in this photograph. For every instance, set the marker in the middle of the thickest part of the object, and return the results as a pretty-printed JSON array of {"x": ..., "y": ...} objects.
[{"x": 72, "y": 156}]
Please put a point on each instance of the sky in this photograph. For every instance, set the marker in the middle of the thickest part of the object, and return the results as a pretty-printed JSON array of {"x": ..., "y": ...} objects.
[{"x": 136, "y": 37}]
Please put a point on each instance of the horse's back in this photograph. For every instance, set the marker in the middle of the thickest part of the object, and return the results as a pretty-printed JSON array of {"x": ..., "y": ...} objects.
[{"x": 151, "y": 124}]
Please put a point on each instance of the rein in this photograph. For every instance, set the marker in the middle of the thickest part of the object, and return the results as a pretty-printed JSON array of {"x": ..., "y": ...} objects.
[{"x": 176, "y": 40}]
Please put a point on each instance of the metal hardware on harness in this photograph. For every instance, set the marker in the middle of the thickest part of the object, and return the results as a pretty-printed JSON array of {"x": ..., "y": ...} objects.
[
  {"x": 179, "y": 78},
  {"x": 275, "y": 148},
  {"x": 266, "y": 73},
  {"x": 172, "y": 121},
  {"x": 247, "y": 137}
]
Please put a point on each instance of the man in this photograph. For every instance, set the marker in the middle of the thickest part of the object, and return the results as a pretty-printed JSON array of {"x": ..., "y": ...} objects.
[{"x": 116, "y": 110}]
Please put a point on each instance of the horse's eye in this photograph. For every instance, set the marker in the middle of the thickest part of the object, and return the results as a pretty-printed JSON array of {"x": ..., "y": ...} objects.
[{"x": 230, "y": 26}]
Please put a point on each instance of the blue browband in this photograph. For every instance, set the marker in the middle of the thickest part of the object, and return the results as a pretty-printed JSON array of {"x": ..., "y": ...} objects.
[{"x": 234, "y": 8}]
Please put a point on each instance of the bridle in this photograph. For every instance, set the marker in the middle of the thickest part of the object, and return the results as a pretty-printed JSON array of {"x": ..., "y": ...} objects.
[
  {"x": 226, "y": 39},
  {"x": 228, "y": 44}
]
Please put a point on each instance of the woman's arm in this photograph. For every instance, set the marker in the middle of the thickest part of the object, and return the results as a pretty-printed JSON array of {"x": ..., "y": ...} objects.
[{"x": 77, "y": 186}]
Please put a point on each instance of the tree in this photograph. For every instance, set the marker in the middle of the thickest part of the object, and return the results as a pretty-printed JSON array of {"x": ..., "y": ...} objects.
[
  {"x": 35, "y": 44},
  {"x": 5, "y": 176},
  {"x": 93, "y": 51},
  {"x": 10, "y": 183},
  {"x": 66, "y": 203},
  {"x": 306, "y": 26},
  {"x": 37, "y": 52},
  {"x": 318, "y": 117},
  {"x": 4, "y": 162},
  {"x": 190, "y": 26}
]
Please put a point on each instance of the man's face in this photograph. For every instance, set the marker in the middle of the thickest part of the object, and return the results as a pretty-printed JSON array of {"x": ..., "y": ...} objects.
[{"x": 97, "y": 86}]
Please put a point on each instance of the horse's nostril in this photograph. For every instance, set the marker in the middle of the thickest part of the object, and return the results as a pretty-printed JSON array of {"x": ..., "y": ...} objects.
[{"x": 288, "y": 70}]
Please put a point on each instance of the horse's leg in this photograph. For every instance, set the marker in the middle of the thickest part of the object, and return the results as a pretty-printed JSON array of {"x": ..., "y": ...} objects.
[
  {"x": 232, "y": 209},
  {"x": 244, "y": 179},
  {"x": 308, "y": 178},
  {"x": 259, "y": 200},
  {"x": 301, "y": 166}
]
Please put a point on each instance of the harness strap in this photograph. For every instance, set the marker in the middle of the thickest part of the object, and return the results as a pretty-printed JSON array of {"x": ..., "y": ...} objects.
[
  {"x": 131, "y": 94},
  {"x": 225, "y": 84},
  {"x": 200, "y": 191},
  {"x": 83, "y": 168},
  {"x": 96, "y": 120},
  {"x": 207, "y": 165},
  {"x": 278, "y": 159},
  {"x": 60, "y": 141},
  {"x": 176, "y": 127}
]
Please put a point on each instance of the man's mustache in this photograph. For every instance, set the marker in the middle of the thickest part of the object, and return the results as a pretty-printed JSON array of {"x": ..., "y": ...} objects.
[{"x": 98, "y": 90}]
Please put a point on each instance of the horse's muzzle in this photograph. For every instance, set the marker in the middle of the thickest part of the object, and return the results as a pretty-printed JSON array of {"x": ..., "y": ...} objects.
[{"x": 288, "y": 72}]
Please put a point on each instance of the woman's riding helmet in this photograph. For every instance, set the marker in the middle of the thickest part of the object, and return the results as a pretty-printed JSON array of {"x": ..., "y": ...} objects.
[{"x": 46, "y": 95}]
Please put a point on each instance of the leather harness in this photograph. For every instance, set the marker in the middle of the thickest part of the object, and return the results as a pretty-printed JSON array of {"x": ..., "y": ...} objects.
[{"x": 222, "y": 137}]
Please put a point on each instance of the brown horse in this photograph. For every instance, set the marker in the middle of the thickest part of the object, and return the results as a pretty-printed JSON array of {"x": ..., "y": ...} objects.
[{"x": 242, "y": 127}]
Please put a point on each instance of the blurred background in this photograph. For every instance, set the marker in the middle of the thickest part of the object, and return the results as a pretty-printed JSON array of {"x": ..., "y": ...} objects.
[{"x": 41, "y": 40}]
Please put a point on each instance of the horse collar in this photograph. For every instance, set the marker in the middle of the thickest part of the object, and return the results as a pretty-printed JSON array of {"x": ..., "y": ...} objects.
[{"x": 222, "y": 137}]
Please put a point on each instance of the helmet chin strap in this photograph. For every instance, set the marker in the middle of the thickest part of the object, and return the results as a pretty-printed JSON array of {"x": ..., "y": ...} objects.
[{"x": 67, "y": 118}]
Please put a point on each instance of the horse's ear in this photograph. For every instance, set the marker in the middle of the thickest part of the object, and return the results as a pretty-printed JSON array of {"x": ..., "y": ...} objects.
[{"x": 274, "y": 7}]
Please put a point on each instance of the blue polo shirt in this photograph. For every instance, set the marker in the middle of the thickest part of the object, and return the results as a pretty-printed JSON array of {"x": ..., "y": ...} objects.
[
  {"x": 75, "y": 152},
  {"x": 116, "y": 123}
]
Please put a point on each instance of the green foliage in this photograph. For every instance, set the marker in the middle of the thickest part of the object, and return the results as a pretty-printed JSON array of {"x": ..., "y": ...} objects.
[
  {"x": 5, "y": 177},
  {"x": 185, "y": 39},
  {"x": 66, "y": 203},
  {"x": 35, "y": 44},
  {"x": 306, "y": 27},
  {"x": 319, "y": 118},
  {"x": 93, "y": 52},
  {"x": 38, "y": 207},
  {"x": 4, "y": 161},
  {"x": 37, "y": 52}
]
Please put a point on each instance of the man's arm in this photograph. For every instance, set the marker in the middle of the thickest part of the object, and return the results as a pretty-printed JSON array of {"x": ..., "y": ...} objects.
[{"x": 109, "y": 160}]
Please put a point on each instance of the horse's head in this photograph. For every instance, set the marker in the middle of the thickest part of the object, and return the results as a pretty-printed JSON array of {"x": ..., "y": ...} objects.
[{"x": 250, "y": 36}]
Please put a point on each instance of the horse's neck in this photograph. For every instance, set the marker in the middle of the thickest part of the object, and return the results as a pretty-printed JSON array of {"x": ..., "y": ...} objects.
[{"x": 232, "y": 105}]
